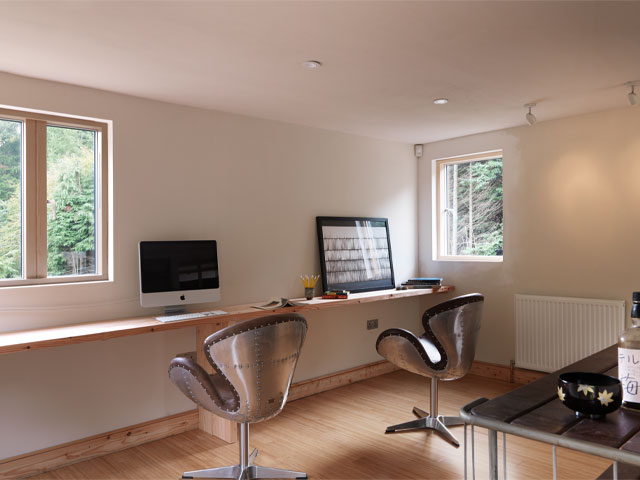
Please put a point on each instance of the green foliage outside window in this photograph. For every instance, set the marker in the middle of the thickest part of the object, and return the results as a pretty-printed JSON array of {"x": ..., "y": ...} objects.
[
  {"x": 10, "y": 199},
  {"x": 70, "y": 195},
  {"x": 70, "y": 201},
  {"x": 474, "y": 208}
]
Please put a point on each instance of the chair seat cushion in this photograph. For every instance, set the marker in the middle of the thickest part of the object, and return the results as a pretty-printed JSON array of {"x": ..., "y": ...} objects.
[{"x": 415, "y": 354}]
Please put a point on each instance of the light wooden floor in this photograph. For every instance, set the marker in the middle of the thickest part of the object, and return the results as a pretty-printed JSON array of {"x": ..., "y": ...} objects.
[{"x": 340, "y": 435}]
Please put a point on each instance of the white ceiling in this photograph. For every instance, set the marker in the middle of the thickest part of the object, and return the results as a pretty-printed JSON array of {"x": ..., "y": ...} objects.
[{"x": 384, "y": 62}]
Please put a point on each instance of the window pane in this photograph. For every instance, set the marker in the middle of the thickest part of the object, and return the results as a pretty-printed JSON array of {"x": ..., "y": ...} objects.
[
  {"x": 473, "y": 208},
  {"x": 10, "y": 199},
  {"x": 71, "y": 236}
]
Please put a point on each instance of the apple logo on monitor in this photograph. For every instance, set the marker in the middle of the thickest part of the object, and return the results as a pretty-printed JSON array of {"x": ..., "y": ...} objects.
[{"x": 182, "y": 297}]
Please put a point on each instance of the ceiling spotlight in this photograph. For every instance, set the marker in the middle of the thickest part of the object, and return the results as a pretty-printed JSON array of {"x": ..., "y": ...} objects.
[
  {"x": 311, "y": 64},
  {"x": 440, "y": 101},
  {"x": 531, "y": 118},
  {"x": 632, "y": 97}
]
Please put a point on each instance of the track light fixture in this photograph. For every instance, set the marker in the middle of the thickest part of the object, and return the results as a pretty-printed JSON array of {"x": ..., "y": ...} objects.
[
  {"x": 632, "y": 97},
  {"x": 311, "y": 64},
  {"x": 531, "y": 118}
]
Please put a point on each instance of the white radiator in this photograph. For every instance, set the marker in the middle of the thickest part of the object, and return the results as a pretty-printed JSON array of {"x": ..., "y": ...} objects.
[{"x": 553, "y": 332}]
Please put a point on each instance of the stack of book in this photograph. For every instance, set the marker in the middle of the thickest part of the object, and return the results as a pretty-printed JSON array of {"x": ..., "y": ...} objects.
[
  {"x": 423, "y": 282},
  {"x": 335, "y": 294}
]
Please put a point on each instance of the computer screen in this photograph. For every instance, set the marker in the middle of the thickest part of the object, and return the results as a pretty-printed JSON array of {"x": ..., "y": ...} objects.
[{"x": 178, "y": 272}]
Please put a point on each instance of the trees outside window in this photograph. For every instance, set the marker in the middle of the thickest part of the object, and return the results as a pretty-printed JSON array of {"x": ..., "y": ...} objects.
[
  {"x": 10, "y": 199},
  {"x": 71, "y": 201},
  {"x": 468, "y": 197}
]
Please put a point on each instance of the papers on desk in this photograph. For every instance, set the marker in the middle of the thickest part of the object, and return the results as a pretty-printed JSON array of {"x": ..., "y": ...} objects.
[{"x": 278, "y": 303}]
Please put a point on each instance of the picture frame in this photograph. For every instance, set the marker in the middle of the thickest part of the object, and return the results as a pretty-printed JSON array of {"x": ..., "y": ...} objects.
[{"x": 355, "y": 253}]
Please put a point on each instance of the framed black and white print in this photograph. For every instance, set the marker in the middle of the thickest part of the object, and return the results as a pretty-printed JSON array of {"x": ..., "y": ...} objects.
[{"x": 355, "y": 253}]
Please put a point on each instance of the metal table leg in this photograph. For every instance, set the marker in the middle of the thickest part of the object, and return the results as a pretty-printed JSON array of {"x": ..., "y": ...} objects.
[
  {"x": 465, "y": 451},
  {"x": 493, "y": 454},
  {"x": 504, "y": 456},
  {"x": 473, "y": 456}
]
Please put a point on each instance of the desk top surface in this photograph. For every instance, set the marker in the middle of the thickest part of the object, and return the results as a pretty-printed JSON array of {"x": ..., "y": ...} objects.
[{"x": 11, "y": 342}]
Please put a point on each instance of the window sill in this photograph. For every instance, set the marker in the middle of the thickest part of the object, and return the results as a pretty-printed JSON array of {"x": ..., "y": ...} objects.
[
  {"x": 41, "y": 282},
  {"x": 469, "y": 258}
]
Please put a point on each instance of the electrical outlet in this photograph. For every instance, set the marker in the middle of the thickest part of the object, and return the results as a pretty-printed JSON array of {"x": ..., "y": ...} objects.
[
  {"x": 372, "y": 324},
  {"x": 189, "y": 355}
]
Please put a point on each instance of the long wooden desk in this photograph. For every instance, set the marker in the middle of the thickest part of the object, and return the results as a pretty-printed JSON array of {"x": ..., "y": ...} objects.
[
  {"x": 18, "y": 341},
  {"x": 12, "y": 342}
]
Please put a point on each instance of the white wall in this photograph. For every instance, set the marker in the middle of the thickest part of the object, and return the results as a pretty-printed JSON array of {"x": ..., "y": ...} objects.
[
  {"x": 183, "y": 173},
  {"x": 571, "y": 207}
]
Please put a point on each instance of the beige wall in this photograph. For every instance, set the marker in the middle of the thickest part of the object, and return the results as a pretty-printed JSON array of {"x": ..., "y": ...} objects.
[
  {"x": 253, "y": 185},
  {"x": 571, "y": 217},
  {"x": 256, "y": 186}
]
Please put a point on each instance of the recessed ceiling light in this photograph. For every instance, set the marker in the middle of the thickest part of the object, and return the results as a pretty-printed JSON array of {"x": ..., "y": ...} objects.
[
  {"x": 440, "y": 101},
  {"x": 311, "y": 64}
]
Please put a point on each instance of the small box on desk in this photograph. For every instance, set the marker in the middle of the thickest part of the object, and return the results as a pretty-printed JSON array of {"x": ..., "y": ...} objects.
[
  {"x": 335, "y": 294},
  {"x": 422, "y": 282}
]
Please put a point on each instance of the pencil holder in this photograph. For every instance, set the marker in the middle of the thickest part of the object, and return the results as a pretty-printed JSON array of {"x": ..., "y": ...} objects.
[{"x": 309, "y": 282}]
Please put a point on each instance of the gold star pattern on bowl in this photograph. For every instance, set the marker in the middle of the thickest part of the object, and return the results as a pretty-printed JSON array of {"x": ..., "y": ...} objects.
[
  {"x": 561, "y": 394},
  {"x": 605, "y": 397},
  {"x": 586, "y": 389}
]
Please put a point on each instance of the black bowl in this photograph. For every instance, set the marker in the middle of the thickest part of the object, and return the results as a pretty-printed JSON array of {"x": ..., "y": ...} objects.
[{"x": 590, "y": 394}]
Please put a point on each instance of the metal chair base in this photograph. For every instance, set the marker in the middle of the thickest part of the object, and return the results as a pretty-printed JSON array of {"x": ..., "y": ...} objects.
[
  {"x": 245, "y": 470},
  {"x": 427, "y": 422},
  {"x": 249, "y": 472}
]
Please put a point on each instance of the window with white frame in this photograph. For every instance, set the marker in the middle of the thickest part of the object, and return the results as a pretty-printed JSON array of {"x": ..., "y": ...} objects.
[
  {"x": 467, "y": 199},
  {"x": 53, "y": 199}
]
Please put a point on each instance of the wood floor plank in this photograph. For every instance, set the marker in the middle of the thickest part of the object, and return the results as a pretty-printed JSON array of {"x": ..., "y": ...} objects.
[{"x": 339, "y": 434}]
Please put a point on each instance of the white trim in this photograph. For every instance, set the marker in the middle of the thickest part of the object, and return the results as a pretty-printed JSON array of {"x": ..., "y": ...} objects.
[
  {"x": 435, "y": 218},
  {"x": 489, "y": 154},
  {"x": 31, "y": 112},
  {"x": 71, "y": 279},
  {"x": 469, "y": 258}
]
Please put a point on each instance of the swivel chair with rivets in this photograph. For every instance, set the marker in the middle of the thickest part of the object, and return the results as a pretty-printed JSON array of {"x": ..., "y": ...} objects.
[
  {"x": 254, "y": 363},
  {"x": 445, "y": 351}
]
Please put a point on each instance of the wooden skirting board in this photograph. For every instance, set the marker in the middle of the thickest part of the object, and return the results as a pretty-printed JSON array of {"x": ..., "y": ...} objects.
[
  {"x": 79, "y": 450},
  {"x": 339, "y": 379},
  {"x": 504, "y": 373},
  {"x": 66, "y": 454}
]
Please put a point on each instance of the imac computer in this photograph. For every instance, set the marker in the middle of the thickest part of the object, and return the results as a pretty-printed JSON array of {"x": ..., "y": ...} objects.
[{"x": 177, "y": 273}]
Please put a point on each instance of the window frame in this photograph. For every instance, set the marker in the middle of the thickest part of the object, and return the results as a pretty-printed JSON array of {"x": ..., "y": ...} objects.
[
  {"x": 438, "y": 191},
  {"x": 34, "y": 196}
]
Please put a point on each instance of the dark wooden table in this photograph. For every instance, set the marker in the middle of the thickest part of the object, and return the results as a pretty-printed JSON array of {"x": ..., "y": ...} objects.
[{"x": 535, "y": 411}]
